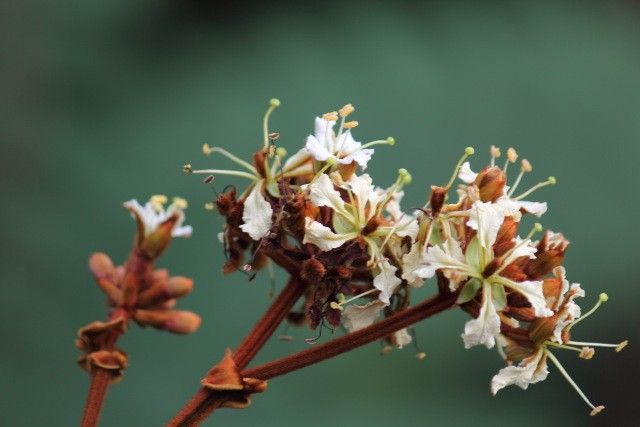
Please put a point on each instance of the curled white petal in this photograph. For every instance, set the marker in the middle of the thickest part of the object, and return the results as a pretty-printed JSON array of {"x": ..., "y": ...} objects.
[
  {"x": 529, "y": 371},
  {"x": 534, "y": 208},
  {"x": 323, "y": 237},
  {"x": 361, "y": 157},
  {"x": 356, "y": 317},
  {"x": 445, "y": 256},
  {"x": 532, "y": 290},
  {"x": 483, "y": 329},
  {"x": 322, "y": 193},
  {"x": 412, "y": 263},
  {"x": 256, "y": 214},
  {"x": 522, "y": 248},
  {"x": 486, "y": 218},
  {"x": 386, "y": 281},
  {"x": 317, "y": 149},
  {"x": 466, "y": 174}
]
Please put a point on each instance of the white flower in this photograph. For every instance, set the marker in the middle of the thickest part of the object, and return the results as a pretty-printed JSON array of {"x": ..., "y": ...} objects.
[
  {"x": 256, "y": 214},
  {"x": 386, "y": 281},
  {"x": 413, "y": 266},
  {"x": 356, "y": 317},
  {"x": 530, "y": 371},
  {"x": 152, "y": 215},
  {"x": 324, "y": 144},
  {"x": 510, "y": 204},
  {"x": 486, "y": 218}
]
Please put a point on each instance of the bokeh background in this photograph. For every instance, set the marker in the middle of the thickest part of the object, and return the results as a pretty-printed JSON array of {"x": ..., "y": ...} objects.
[{"x": 104, "y": 101}]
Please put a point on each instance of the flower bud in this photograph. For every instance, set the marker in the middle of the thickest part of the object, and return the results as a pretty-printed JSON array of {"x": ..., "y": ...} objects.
[
  {"x": 438, "y": 194},
  {"x": 176, "y": 321},
  {"x": 105, "y": 274},
  {"x": 312, "y": 270},
  {"x": 550, "y": 254},
  {"x": 491, "y": 182}
]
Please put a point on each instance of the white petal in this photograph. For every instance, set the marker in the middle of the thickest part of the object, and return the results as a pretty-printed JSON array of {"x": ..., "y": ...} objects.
[
  {"x": 322, "y": 193},
  {"x": 521, "y": 375},
  {"x": 447, "y": 256},
  {"x": 402, "y": 338},
  {"x": 364, "y": 191},
  {"x": 361, "y": 157},
  {"x": 466, "y": 174},
  {"x": 534, "y": 208},
  {"x": 296, "y": 160},
  {"x": 386, "y": 281},
  {"x": 486, "y": 219},
  {"x": 317, "y": 149},
  {"x": 184, "y": 231},
  {"x": 323, "y": 131},
  {"x": 408, "y": 227},
  {"x": 411, "y": 262},
  {"x": 483, "y": 329},
  {"x": 532, "y": 290},
  {"x": 521, "y": 248},
  {"x": 393, "y": 205},
  {"x": 323, "y": 237},
  {"x": 256, "y": 214},
  {"x": 346, "y": 144},
  {"x": 356, "y": 317}
]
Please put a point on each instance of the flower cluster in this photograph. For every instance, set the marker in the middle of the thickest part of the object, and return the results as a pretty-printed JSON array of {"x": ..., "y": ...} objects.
[
  {"x": 136, "y": 291},
  {"x": 321, "y": 218}
]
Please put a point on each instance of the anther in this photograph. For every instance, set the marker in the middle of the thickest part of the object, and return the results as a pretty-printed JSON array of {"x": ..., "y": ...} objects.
[
  {"x": 208, "y": 180},
  {"x": 187, "y": 168},
  {"x": 274, "y": 102},
  {"x": 331, "y": 116},
  {"x": 512, "y": 155},
  {"x": 587, "y": 353},
  {"x": 206, "y": 150},
  {"x": 247, "y": 268},
  {"x": 336, "y": 306},
  {"x": 421, "y": 355},
  {"x": 157, "y": 201},
  {"x": 621, "y": 346},
  {"x": 209, "y": 206},
  {"x": 495, "y": 152},
  {"x": 350, "y": 125},
  {"x": 180, "y": 203},
  {"x": 595, "y": 411},
  {"x": 346, "y": 110},
  {"x": 274, "y": 136}
]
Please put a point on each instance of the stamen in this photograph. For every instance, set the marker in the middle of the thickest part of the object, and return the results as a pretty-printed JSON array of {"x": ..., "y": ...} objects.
[
  {"x": 495, "y": 153},
  {"x": 328, "y": 163},
  {"x": 224, "y": 172},
  {"x": 210, "y": 150},
  {"x": 602, "y": 298},
  {"x": 404, "y": 178},
  {"x": 587, "y": 353},
  {"x": 350, "y": 125},
  {"x": 550, "y": 181},
  {"x": 179, "y": 203},
  {"x": 331, "y": 116},
  {"x": 157, "y": 202},
  {"x": 273, "y": 104},
  {"x": 467, "y": 152},
  {"x": 346, "y": 110},
  {"x": 594, "y": 410},
  {"x": 524, "y": 168},
  {"x": 388, "y": 141},
  {"x": 512, "y": 156},
  {"x": 338, "y": 305},
  {"x": 618, "y": 346}
]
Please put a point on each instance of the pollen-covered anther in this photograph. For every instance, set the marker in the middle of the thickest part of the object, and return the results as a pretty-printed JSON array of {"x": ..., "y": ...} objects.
[
  {"x": 350, "y": 125},
  {"x": 331, "y": 116},
  {"x": 495, "y": 152},
  {"x": 206, "y": 150},
  {"x": 180, "y": 203},
  {"x": 274, "y": 136},
  {"x": 346, "y": 110},
  {"x": 595, "y": 411},
  {"x": 512, "y": 155},
  {"x": 158, "y": 201},
  {"x": 587, "y": 353},
  {"x": 421, "y": 355},
  {"x": 187, "y": 168},
  {"x": 525, "y": 166},
  {"x": 247, "y": 268},
  {"x": 210, "y": 206},
  {"x": 336, "y": 306},
  {"x": 621, "y": 346}
]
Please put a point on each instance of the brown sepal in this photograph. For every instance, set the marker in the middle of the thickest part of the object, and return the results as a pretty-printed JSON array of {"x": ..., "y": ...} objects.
[
  {"x": 94, "y": 336},
  {"x": 115, "y": 361},
  {"x": 225, "y": 376}
]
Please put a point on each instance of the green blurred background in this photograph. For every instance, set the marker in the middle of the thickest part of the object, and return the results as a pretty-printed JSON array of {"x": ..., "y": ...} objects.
[{"x": 104, "y": 101}]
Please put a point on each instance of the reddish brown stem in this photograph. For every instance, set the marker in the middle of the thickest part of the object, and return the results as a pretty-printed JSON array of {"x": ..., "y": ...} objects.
[
  {"x": 97, "y": 391},
  {"x": 205, "y": 401},
  {"x": 353, "y": 340}
]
